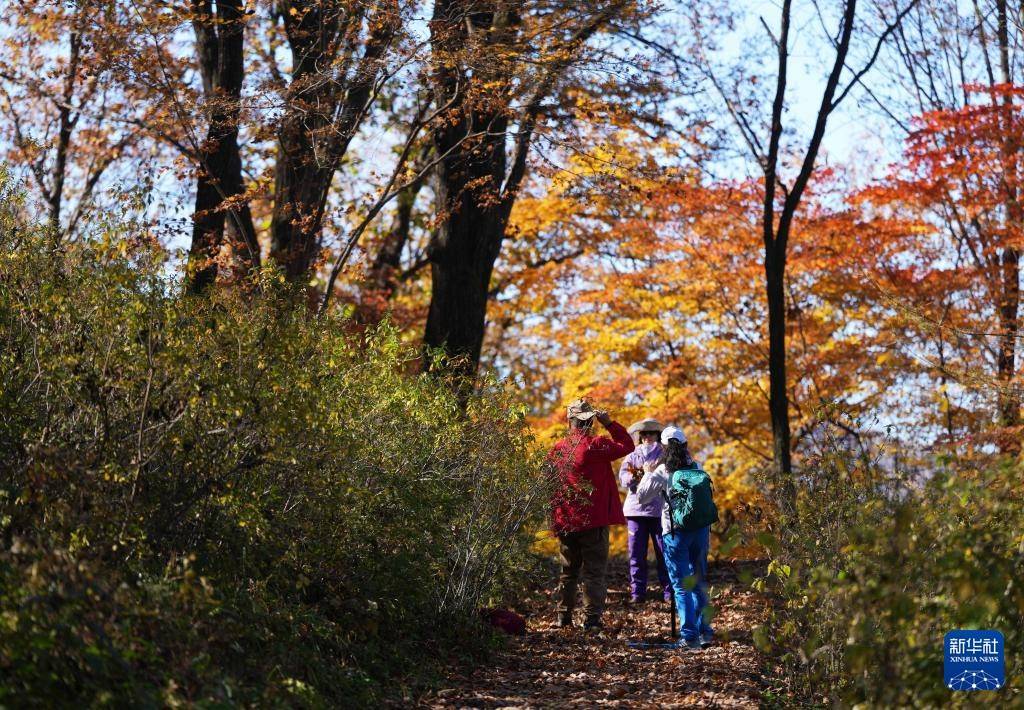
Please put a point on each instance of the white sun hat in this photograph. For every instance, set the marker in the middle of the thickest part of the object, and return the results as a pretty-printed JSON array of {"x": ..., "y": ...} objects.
[
  {"x": 645, "y": 425},
  {"x": 672, "y": 432}
]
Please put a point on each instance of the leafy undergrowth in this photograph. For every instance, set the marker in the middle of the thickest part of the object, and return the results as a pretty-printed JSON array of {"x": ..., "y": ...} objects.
[
  {"x": 552, "y": 667},
  {"x": 222, "y": 502}
]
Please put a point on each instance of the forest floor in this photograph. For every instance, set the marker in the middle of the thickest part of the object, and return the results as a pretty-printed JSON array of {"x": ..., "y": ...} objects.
[{"x": 551, "y": 667}]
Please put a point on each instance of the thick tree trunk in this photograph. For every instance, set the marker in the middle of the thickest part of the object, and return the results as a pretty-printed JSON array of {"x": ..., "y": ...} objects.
[
  {"x": 300, "y": 189},
  {"x": 462, "y": 261},
  {"x": 468, "y": 187},
  {"x": 219, "y": 43},
  {"x": 331, "y": 91},
  {"x": 307, "y": 147},
  {"x": 467, "y": 243},
  {"x": 477, "y": 183},
  {"x": 220, "y": 179}
]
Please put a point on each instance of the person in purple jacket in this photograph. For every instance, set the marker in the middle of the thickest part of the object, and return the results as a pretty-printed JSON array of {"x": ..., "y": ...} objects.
[{"x": 643, "y": 520}]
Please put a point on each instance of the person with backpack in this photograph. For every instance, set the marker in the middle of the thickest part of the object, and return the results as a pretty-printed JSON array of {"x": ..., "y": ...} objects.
[
  {"x": 585, "y": 502},
  {"x": 686, "y": 520},
  {"x": 643, "y": 520}
]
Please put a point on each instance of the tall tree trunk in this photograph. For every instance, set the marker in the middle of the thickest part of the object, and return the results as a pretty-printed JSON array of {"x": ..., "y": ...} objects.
[
  {"x": 304, "y": 170},
  {"x": 67, "y": 125},
  {"x": 462, "y": 259},
  {"x": 1009, "y": 402},
  {"x": 300, "y": 187},
  {"x": 775, "y": 239},
  {"x": 776, "y": 235},
  {"x": 477, "y": 182},
  {"x": 219, "y": 44},
  {"x": 469, "y": 179},
  {"x": 778, "y": 394},
  {"x": 466, "y": 243},
  {"x": 1009, "y": 260},
  {"x": 331, "y": 92}
]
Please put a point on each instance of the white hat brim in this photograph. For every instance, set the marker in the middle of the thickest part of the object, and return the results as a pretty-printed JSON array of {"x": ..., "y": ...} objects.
[{"x": 645, "y": 425}]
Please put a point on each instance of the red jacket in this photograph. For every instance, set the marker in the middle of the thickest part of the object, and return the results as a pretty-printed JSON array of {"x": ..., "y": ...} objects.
[{"x": 586, "y": 495}]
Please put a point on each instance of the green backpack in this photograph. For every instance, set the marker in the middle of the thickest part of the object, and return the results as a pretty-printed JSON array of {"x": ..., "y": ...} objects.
[{"x": 691, "y": 500}]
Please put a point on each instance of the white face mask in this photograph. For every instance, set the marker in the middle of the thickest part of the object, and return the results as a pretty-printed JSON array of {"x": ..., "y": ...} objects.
[{"x": 647, "y": 446}]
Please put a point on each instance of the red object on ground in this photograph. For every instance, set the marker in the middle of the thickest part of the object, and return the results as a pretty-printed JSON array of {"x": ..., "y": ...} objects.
[
  {"x": 588, "y": 494},
  {"x": 508, "y": 621}
]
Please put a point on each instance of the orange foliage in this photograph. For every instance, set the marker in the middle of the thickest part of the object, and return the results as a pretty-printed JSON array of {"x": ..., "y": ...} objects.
[
  {"x": 953, "y": 207},
  {"x": 643, "y": 288}
]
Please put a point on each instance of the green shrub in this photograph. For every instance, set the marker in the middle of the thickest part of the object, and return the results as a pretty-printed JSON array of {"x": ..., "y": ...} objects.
[
  {"x": 878, "y": 565},
  {"x": 225, "y": 500}
]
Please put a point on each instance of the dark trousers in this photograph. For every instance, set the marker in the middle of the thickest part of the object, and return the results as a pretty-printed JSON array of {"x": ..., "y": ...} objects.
[
  {"x": 641, "y": 529},
  {"x": 583, "y": 554}
]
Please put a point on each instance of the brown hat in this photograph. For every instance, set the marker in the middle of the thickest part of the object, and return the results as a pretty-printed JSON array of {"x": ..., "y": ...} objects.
[{"x": 582, "y": 410}]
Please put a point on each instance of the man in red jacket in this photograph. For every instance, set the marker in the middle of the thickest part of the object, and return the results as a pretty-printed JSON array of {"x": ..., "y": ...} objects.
[{"x": 585, "y": 502}]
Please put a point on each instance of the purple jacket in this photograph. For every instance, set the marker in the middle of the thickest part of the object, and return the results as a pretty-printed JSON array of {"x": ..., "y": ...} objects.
[{"x": 632, "y": 507}]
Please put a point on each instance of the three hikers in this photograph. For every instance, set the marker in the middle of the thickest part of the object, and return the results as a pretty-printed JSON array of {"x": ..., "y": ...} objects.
[{"x": 663, "y": 483}]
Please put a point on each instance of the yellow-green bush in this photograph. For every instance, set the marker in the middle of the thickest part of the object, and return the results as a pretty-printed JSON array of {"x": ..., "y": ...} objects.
[
  {"x": 225, "y": 500},
  {"x": 878, "y": 565}
]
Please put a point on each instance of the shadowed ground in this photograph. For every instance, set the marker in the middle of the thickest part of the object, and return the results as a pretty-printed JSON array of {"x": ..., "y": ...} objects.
[{"x": 552, "y": 667}]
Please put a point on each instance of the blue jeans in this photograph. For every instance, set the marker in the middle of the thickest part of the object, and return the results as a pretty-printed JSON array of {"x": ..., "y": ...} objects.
[{"x": 686, "y": 555}]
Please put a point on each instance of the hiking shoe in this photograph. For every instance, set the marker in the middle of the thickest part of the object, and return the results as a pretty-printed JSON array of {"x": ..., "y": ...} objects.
[
  {"x": 706, "y": 640},
  {"x": 564, "y": 621},
  {"x": 693, "y": 645},
  {"x": 637, "y": 601},
  {"x": 593, "y": 625}
]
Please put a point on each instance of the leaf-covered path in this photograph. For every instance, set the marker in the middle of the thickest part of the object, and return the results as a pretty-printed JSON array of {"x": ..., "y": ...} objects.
[{"x": 552, "y": 667}]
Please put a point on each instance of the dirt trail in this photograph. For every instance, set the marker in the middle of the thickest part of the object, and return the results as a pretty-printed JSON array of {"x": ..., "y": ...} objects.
[{"x": 552, "y": 667}]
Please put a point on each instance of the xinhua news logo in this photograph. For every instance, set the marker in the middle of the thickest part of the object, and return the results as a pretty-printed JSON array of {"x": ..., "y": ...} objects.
[{"x": 975, "y": 660}]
